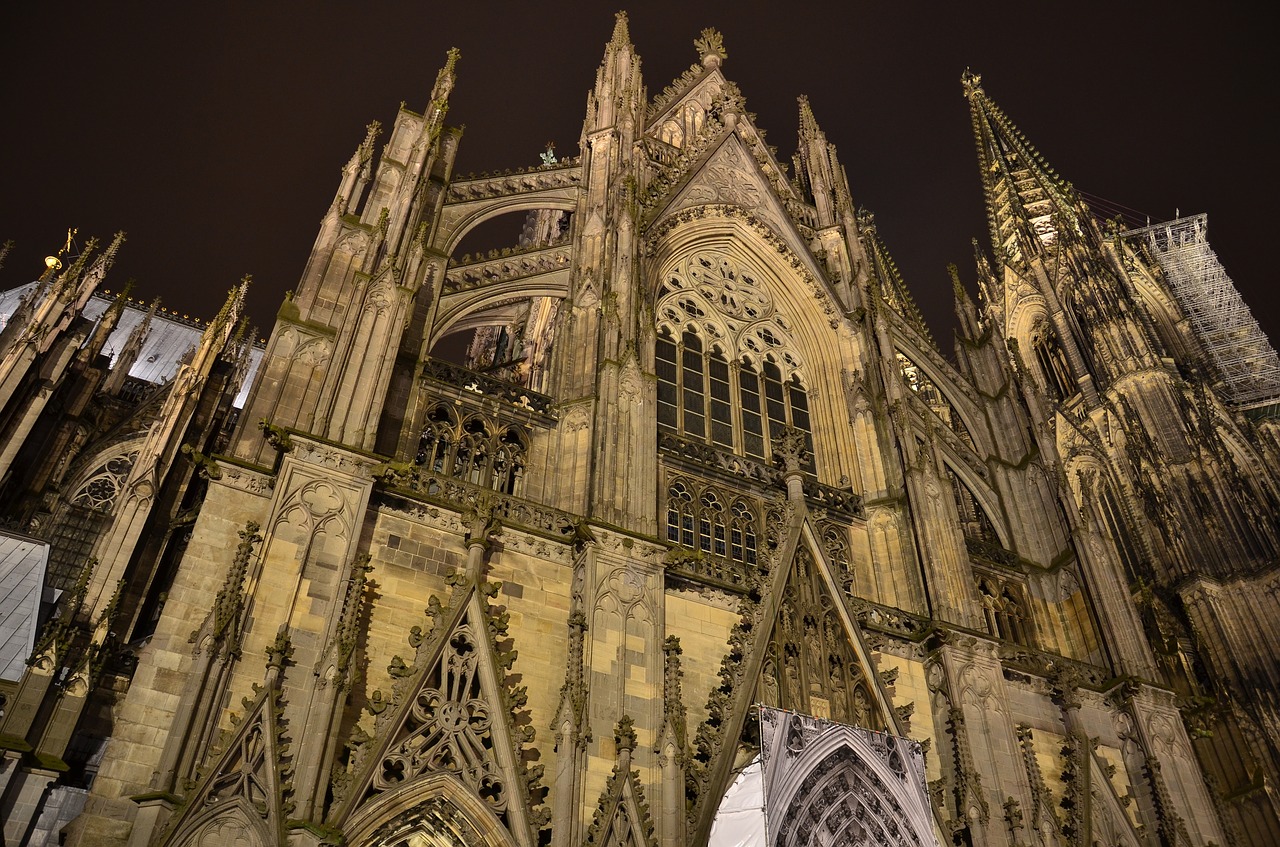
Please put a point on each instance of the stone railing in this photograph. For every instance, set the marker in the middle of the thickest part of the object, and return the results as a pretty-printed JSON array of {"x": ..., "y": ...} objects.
[
  {"x": 486, "y": 386},
  {"x": 837, "y": 500},
  {"x": 994, "y": 553},
  {"x": 833, "y": 499},
  {"x": 421, "y": 484},
  {"x": 718, "y": 460},
  {"x": 704, "y": 569}
]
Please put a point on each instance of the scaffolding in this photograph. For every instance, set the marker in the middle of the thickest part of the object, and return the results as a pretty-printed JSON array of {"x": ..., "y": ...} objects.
[{"x": 1240, "y": 355}]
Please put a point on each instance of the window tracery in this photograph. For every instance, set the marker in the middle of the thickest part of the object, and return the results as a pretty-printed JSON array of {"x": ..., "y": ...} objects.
[
  {"x": 728, "y": 374},
  {"x": 705, "y": 520},
  {"x": 473, "y": 449},
  {"x": 1004, "y": 609},
  {"x": 1054, "y": 372},
  {"x": 100, "y": 490}
]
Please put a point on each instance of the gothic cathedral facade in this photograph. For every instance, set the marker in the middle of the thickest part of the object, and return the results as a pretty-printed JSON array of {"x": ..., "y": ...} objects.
[{"x": 701, "y": 453}]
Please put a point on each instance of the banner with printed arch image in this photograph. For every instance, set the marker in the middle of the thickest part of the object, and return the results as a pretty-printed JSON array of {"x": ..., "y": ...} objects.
[{"x": 818, "y": 783}]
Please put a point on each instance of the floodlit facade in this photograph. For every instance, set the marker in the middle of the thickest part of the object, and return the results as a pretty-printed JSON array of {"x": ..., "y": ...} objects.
[{"x": 698, "y": 452}]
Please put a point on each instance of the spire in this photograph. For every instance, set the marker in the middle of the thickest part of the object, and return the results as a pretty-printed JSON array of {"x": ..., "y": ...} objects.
[
  {"x": 618, "y": 97},
  {"x": 130, "y": 352},
  {"x": 1023, "y": 194},
  {"x": 621, "y": 35},
  {"x": 809, "y": 129},
  {"x": 107, "y": 324},
  {"x": 446, "y": 78},
  {"x": 892, "y": 287}
]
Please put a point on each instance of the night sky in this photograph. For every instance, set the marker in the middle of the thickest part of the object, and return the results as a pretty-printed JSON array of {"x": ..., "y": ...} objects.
[{"x": 214, "y": 134}]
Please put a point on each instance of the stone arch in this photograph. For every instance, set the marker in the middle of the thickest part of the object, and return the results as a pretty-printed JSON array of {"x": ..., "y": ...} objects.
[
  {"x": 946, "y": 383},
  {"x": 231, "y": 824},
  {"x": 437, "y": 806},
  {"x": 983, "y": 495},
  {"x": 471, "y": 214},
  {"x": 455, "y": 307},
  {"x": 797, "y": 295}
]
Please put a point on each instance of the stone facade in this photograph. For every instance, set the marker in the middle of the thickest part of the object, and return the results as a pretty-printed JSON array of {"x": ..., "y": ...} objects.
[{"x": 702, "y": 454}]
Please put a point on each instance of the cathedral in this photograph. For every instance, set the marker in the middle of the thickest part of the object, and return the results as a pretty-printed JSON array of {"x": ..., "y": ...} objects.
[{"x": 513, "y": 549}]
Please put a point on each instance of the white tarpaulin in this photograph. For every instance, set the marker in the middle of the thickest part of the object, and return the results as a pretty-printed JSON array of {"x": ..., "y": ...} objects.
[{"x": 740, "y": 819}]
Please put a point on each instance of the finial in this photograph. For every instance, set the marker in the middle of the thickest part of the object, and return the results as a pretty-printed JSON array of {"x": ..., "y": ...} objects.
[
  {"x": 972, "y": 82},
  {"x": 549, "y": 155},
  {"x": 711, "y": 48},
  {"x": 957, "y": 287},
  {"x": 621, "y": 35},
  {"x": 371, "y": 133},
  {"x": 445, "y": 79},
  {"x": 808, "y": 123}
]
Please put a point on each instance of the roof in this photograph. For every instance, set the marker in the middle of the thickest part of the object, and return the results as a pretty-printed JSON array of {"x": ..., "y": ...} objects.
[
  {"x": 169, "y": 339},
  {"x": 22, "y": 565}
]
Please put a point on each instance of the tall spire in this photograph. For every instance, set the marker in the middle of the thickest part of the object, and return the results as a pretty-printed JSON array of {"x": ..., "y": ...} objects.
[
  {"x": 618, "y": 96},
  {"x": 818, "y": 169},
  {"x": 1026, "y": 200}
]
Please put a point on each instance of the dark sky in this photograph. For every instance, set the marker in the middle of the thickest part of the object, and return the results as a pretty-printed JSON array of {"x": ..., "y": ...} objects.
[{"x": 214, "y": 134}]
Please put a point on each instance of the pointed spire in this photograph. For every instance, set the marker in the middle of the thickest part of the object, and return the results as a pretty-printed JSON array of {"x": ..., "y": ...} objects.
[
  {"x": 107, "y": 324},
  {"x": 1023, "y": 194},
  {"x": 885, "y": 271},
  {"x": 4, "y": 251},
  {"x": 809, "y": 129},
  {"x": 445, "y": 80}
]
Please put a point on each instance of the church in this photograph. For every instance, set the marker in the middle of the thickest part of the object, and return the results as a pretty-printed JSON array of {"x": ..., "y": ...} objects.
[{"x": 513, "y": 549}]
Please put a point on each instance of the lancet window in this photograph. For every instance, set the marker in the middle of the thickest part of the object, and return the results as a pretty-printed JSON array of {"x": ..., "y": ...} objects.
[
  {"x": 473, "y": 449},
  {"x": 727, "y": 374},
  {"x": 703, "y": 519},
  {"x": 1116, "y": 527},
  {"x": 1054, "y": 371},
  {"x": 1004, "y": 610}
]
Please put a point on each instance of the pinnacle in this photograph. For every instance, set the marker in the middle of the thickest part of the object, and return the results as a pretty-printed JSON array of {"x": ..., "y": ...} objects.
[
  {"x": 808, "y": 123},
  {"x": 621, "y": 35}
]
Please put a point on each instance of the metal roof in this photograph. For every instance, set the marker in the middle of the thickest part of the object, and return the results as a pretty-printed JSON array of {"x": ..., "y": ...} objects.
[{"x": 168, "y": 341}]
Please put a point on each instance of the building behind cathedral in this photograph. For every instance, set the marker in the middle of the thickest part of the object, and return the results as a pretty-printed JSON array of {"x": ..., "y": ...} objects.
[{"x": 695, "y": 451}]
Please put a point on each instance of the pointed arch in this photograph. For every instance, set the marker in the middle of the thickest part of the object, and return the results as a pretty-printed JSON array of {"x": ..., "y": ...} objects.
[{"x": 438, "y": 806}]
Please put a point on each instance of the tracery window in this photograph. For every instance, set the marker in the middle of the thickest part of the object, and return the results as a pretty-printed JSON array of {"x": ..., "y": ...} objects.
[
  {"x": 1117, "y": 528},
  {"x": 100, "y": 490},
  {"x": 1054, "y": 371},
  {"x": 727, "y": 371},
  {"x": 706, "y": 521},
  {"x": 473, "y": 449},
  {"x": 1004, "y": 610}
]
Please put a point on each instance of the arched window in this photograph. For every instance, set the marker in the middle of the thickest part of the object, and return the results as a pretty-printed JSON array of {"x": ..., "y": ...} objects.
[
  {"x": 699, "y": 520},
  {"x": 475, "y": 451},
  {"x": 696, "y": 387},
  {"x": 508, "y": 462},
  {"x": 1117, "y": 528},
  {"x": 435, "y": 446},
  {"x": 1053, "y": 365},
  {"x": 728, "y": 374},
  {"x": 1003, "y": 610}
]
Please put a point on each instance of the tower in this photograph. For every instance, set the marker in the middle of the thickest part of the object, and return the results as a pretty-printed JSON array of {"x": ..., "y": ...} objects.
[{"x": 534, "y": 601}]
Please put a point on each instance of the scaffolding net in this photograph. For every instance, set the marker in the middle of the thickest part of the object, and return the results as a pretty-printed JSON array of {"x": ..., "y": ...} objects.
[{"x": 1240, "y": 355}]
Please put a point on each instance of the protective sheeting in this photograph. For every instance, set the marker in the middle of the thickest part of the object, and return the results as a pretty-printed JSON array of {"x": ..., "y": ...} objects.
[
  {"x": 740, "y": 819},
  {"x": 826, "y": 783}
]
